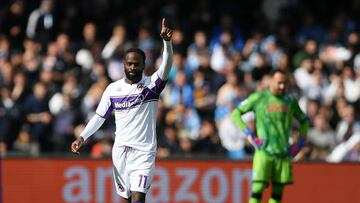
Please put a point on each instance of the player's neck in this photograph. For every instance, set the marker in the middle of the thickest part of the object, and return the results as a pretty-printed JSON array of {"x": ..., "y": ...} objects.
[
  {"x": 134, "y": 81},
  {"x": 272, "y": 92}
]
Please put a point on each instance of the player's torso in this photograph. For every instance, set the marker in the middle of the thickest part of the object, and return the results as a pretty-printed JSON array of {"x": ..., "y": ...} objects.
[
  {"x": 126, "y": 99},
  {"x": 135, "y": 107},
  {"x": 274, "y": 108},
  {"x": 274, "y": 119}
]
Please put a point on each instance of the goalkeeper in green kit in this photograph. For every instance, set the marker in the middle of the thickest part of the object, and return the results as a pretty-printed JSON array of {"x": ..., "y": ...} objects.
[{"x": 274, "y": 111}]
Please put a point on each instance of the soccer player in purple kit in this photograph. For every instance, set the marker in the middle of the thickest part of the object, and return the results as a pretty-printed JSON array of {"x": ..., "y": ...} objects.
[{"x": 134, "y": 99}]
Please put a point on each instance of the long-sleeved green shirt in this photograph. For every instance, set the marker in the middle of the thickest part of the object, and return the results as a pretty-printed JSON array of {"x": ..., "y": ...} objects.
[{"x": 274, "y": 116}]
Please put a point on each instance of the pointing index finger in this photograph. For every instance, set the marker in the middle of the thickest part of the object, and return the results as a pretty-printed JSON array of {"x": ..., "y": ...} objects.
[{"x": 163, "y": 23}]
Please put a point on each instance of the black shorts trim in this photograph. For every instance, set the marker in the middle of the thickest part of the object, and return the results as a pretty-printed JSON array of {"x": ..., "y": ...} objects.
[{"x": 286, "y": 183}]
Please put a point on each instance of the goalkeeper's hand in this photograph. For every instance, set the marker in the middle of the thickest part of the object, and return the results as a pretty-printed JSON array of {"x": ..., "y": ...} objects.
[
  {"x": 256, "y": 142},
  {"x": 295, "y": 148}
]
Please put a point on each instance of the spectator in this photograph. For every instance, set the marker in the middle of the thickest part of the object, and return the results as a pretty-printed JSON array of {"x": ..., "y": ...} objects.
[
  {"x": 6, "y": 115},
  {"x": 321, "y": 138},
  {"x": 346, "y": 150},
  {"x": 226, "y": 97},
  {"x": 179, "y": 42},
  {"x": 260, "y": 66},
  {"x": 221, "y": 51},
  {"x": 348, "y": 125},
  {"x": 39, "y": 117},
  {"x": 24, "y": 145},
  {"x": 169, "y": 145},
  {"x": 308, "y": 52},
  {"x": 303, "y": 76},
  {"x": 179, "y": 65},
  {"x": 209, "y": 141},
  {"x": 92, "y": 97},
  {"x": 41, "y": 23},
  {"x": 226, "y": 24},
  {"x": 114, "y": 51},
  {"x": 180, "y": 92},
  {"x": 233, "y": 139},
  {"x": 351, "y": 84},
  {"x": 6, "y": 73},
  {"x": 186, "y": 120},
  {"x": 90, "y": 40},
  {"x": 3, "y": 149},
  {"x": 354, "y": 154},
  {"x": 197, "y": 49},
  {"x": 64, "y": 123},
  {"x": 147, "y": 43},
  {"x": 13, "y": 22},
  {"x": 204, "y": 98},
  {"x": 4, "y": 48}
]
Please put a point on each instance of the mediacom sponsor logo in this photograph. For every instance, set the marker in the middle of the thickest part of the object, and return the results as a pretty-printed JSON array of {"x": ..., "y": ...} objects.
[{"x": 126, "y": 104}]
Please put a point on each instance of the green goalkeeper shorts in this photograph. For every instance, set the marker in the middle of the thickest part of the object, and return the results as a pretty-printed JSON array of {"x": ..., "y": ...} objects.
[{"x": 271, "y": 168}]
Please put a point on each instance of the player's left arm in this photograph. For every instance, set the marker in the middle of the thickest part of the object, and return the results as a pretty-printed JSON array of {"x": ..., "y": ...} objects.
[
  {"x": 167, "y": 56},
  {"x": 297, "y": 150}
]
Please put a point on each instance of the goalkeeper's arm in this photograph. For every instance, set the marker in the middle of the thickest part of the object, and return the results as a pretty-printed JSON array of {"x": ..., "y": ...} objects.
[
  {"x": 296, "y": 150},
  {"x": 236, "y": 117}
]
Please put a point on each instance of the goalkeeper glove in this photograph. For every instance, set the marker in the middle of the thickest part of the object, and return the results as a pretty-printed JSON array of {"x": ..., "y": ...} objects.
[
  {"x": 295, "y": 148},
  {"x": 256, "y": 142}
]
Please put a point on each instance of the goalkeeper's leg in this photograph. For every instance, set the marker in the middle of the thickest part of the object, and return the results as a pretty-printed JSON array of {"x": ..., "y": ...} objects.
[
  {"x": 276, "y": 194},
  {"x": 257, "y": 191}
]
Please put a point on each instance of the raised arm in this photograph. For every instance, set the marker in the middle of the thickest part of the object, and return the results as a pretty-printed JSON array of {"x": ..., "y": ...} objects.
[{"x": 166, "y": 34}]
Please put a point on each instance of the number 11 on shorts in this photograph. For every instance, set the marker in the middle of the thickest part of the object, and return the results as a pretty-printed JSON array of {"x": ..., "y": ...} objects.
[{"x": 143, "y": 181}]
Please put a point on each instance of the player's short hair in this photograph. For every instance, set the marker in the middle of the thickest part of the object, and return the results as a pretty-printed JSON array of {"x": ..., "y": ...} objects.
[
  {"x": 138, "y": 51},
  {"x": 273, "y": 72}
]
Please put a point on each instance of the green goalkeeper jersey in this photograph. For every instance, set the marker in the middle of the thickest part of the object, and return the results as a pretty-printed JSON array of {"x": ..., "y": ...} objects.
[{"x": 274, "y": 116}]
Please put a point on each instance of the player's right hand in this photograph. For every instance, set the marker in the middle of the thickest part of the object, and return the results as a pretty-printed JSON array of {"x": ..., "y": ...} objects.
[
  {"x": 256, "y": 142},
  {"x": 76, "y": 145}
]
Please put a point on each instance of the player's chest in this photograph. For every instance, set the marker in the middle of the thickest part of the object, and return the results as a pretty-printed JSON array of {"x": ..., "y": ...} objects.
[
  {"x": 271, "y": 105},
  {"x": 128, "y": 90},
  {"x": 131, "y": 96}
]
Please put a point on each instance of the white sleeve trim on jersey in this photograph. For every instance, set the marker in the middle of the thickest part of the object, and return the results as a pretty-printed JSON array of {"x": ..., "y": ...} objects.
[
  {"x": 93, "y": 125},
  {"x": 167, "y": 56}
]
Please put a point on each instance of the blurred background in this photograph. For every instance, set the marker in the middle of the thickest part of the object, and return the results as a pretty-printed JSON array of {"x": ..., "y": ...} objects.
[{"x": 56, "y": 58}]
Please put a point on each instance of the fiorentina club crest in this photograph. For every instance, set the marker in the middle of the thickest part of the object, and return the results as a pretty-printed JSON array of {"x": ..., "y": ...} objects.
[
  {"x": 121, "y": 188},
  {"x": 140, "y": 86}
]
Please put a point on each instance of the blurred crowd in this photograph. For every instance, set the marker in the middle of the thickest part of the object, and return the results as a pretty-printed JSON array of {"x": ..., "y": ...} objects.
[{"x": 57, "y": 57}]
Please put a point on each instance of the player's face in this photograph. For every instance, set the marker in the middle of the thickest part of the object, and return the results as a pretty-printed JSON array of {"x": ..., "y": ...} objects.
[
  {"x": 278, "y": 84},
  {"x": 133, "y": 66}
]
